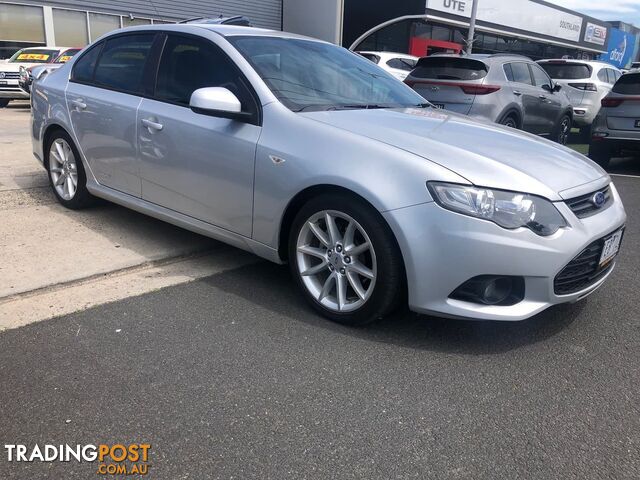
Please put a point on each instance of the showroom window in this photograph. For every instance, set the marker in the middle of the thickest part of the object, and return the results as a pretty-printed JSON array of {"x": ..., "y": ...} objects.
[
  {"x": 70, "y": 28},
  {"x": 20, "y": 26},
  {"x": 99, "y": 24}
]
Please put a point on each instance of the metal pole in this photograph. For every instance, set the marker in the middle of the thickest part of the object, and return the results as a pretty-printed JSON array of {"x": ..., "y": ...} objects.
[{"x": 472, "y": 26}]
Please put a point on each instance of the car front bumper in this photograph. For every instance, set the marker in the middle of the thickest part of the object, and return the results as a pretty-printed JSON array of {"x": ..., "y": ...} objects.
[{"x": 443, "y": 249}]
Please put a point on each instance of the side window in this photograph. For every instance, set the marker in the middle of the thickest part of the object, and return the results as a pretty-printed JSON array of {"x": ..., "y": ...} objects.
[
  {"x": 121, "y": 64},
  {"x": 508, "y": 71},
  {"x": 85, "y": 66},
  {"x": 540, "y": 77},
  {"x": 521, "y": 73},
  {"x": 402, "y": 64},
  {"x": 617, "y": 75},
  {"x": 602, "y": 75},
  {"x": 188, "y": 64}
]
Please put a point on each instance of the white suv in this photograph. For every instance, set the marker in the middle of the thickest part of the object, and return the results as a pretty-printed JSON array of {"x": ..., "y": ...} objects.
[
  {"x": 397, "y": 64},
  {"x": 586, "y": 83},
  {"x": 10, "y": 70}
]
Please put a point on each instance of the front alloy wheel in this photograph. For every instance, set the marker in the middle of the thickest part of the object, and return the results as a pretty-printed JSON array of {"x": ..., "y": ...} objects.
[
  {"x": 345, "y": 260},
  {"x": 336, "y": 261},
  {"x": 564, "y": 130}
]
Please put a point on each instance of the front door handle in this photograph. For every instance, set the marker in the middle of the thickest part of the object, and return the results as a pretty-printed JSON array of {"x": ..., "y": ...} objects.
[
  {"x": 517, "y": 92},
  {"x": 151, "y": 125},
  {"x": 79, "y": 104},
  {"x": 542, "y": 97}
]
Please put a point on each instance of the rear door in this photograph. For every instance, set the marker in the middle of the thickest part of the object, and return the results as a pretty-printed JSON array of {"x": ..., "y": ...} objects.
[
  {"x": 103, "y": 97},
  {"x": 449, "y": 82},
  {"x": 199, "y": 165},
  {"x": 574, "y": 77},
  {"x": 521, "y": 84}
]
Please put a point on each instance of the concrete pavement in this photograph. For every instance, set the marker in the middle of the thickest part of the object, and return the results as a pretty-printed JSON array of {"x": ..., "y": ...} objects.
[{"x": 108, "y": 251}]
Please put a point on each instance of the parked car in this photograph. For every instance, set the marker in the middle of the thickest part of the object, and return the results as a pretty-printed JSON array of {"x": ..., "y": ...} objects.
[
  {"x": 397, "y": 64},
  {"x": 507, "y": 89},
  {"x": 616, "y": 128},
  {"x": 586, "y": 83},
  {"x": 27, "y": 74},
  {"x": 10, "y": 70},
  {"x": 304, "y": 152}
]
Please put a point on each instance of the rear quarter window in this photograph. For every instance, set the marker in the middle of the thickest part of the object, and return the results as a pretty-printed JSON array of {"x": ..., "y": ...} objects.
[
  {"x": 628, "y": 84},
  {"x": 567, "y": 71},
  {"x": 450, "y": 68}
]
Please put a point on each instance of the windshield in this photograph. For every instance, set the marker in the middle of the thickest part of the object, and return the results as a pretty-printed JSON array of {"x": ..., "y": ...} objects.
[
  {"x": 306, "y": 75},
  {"x": 66, "y": 55},
  {"x": 567, "y": 71},
  {"x": 39, "y": 55}
]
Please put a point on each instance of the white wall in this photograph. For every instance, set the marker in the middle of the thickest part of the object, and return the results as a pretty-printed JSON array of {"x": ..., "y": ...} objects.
[{"x": 315, "y": 18}]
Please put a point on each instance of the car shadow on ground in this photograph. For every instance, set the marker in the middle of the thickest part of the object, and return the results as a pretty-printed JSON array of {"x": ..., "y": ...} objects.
[{"x": 270, "y": 286}]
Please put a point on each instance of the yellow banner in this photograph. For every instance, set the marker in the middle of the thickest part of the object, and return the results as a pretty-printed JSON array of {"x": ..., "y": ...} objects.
[
  {"x": 64, "y": 58},
  {"x": 32, "y": 56}
]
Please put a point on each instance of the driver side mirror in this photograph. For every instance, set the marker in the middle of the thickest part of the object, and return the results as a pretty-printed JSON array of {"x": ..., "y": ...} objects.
[
  {"x": 557, "y": 87},
  {"x": 218, "y": 102}
]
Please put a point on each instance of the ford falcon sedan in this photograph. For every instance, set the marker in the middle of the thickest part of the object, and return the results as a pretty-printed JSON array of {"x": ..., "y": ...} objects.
[{"x": 305, "y": 153}]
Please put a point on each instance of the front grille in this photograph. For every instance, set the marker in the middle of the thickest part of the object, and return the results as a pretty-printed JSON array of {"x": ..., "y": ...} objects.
[
  {"x": 11, "y": 75},
  {"x": 583, "y": 205},
  {"x": 583, "y": 271}
]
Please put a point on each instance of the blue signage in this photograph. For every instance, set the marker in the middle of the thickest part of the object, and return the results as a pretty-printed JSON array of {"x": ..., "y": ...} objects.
[{"x": 620, "y": 48}]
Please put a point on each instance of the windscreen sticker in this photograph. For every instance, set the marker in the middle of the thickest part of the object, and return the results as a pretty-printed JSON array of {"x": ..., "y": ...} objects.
[
  {"x": 64, "y": 58},
  {"x": 33, "y": 56}
]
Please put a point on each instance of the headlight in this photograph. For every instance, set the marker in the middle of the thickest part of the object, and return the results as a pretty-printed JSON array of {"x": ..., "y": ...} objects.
[{"x": 508, "y": 209}]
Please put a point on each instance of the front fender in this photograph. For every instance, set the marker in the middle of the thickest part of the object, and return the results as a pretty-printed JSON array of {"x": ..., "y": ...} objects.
[{"x": 319, "y": 154}]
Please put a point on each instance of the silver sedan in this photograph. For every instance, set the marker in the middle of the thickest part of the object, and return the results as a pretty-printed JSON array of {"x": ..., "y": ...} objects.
[{"x": 303, "y": 152}]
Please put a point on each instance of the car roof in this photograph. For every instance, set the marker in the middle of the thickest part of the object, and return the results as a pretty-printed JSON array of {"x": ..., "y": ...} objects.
[
  {"x": 387, "y": 54},
  {"x": 575, "y": 60},
  {"x": 222, "y": 30},
  {"x": 47, "y": 48}
]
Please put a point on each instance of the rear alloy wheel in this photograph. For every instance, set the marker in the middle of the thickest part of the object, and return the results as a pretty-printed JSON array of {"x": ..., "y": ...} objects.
[
  {"x": 509, "y": 122},
  {"x": 564, "y": 130},
  {"x": 66, "y": 173},
  {"x": 344, "y": 260}
]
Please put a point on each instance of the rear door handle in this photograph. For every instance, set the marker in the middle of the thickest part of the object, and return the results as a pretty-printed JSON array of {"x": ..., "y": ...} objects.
[
  {"x": 517, "y": 92},
  {"x": 151, "y": 125},
  {"x": 79, "y": 104}
]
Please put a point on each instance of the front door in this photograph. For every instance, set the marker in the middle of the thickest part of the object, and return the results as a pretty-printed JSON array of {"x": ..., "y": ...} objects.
[
  {"x": 196, "y": 164},
  {"x": 550, "y": 104},
  {"x": 103, "y": 98}
]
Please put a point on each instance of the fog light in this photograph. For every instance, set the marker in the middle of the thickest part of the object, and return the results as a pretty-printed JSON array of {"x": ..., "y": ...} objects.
[{"x": 491, "y": 290}]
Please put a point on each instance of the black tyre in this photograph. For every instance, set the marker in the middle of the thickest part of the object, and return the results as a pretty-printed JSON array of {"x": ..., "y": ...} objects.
[
  {"x": 345, "y": 260},
  {"x": 66, "y": 172},
  {"x": 510, "y": 121},
  {"x": 4, "y": 102},
  {"x": 601, "y": 153},
  {"x": 563, "y": 130}
]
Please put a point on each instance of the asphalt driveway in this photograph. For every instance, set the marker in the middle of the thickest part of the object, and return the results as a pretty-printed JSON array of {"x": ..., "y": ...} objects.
[{"x": 234, "y": 377}]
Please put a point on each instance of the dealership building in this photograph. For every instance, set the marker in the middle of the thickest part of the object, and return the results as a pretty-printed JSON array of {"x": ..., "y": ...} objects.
[
  {"x": 73, "y": 23},
  {"x": 534, "y": 28}
]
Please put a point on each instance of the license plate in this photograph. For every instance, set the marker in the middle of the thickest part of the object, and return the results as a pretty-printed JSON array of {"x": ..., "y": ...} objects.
[
  {"x": 439, "y": 106},
  {"x": 611, "y": 248},
  {"x": 637, "y": 124}
]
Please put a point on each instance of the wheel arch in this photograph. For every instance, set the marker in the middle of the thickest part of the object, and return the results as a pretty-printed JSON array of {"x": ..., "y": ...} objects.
[
  {"x": 296, "y": 203},
  {"x": 512, "y": 111}
]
